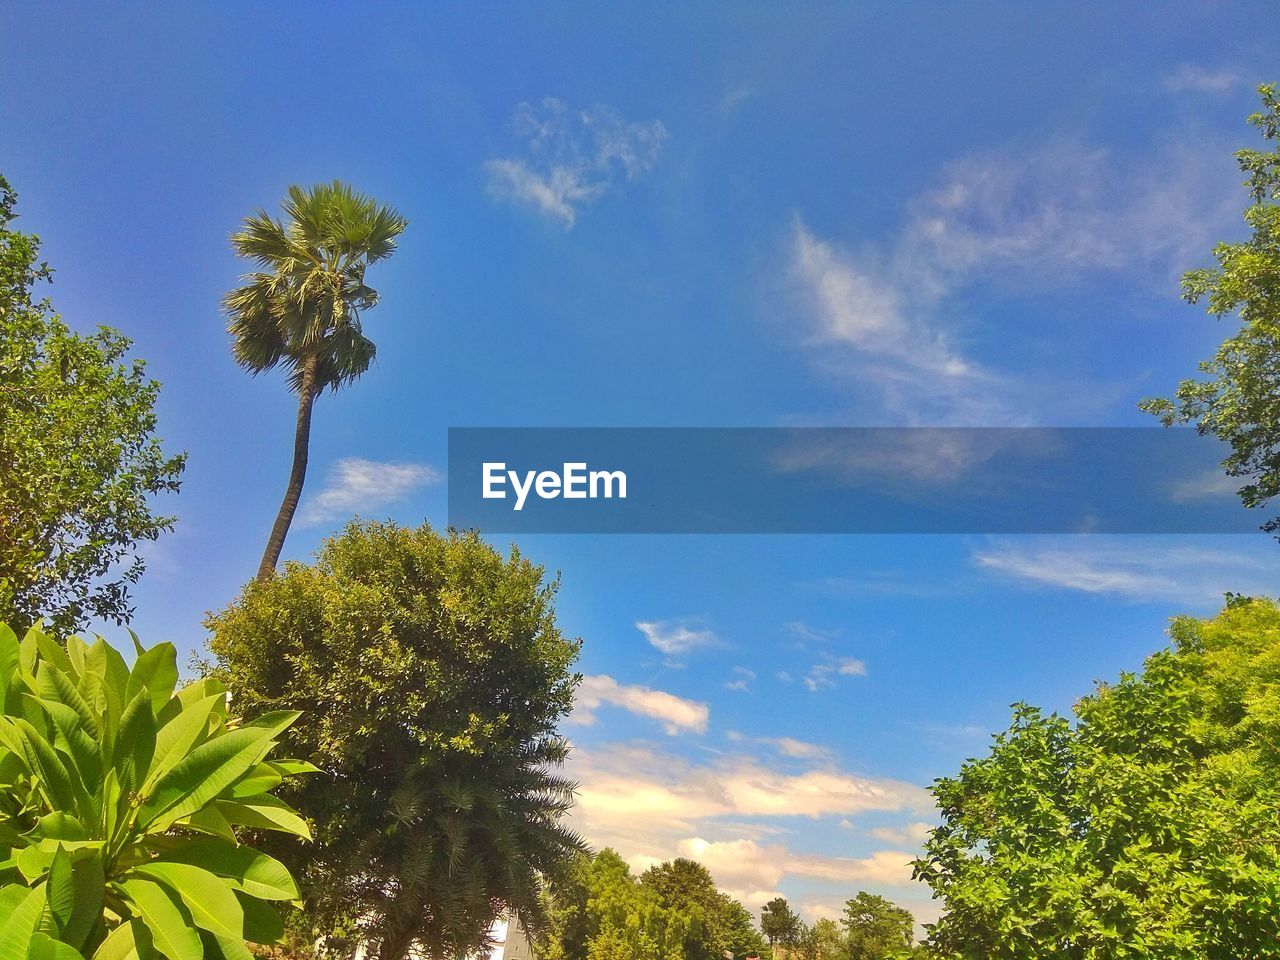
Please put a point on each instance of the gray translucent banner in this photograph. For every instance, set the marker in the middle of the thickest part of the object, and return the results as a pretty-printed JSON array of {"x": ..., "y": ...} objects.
[{"x": 842, "y": 480}]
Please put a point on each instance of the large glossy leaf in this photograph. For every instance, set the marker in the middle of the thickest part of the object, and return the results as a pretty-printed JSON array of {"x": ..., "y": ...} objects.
[
  {"x": 172, "y": 930},
  {"x": 18, "y": 927},
  {"x": 135, "y": 743},
  {"x": 207, "y": 897},
  {"x": 176, "y": 738},
  {"x": 129, "y": 941},
  {"x": 264, "y": 812},
  {"x": 262, "y": 924},
  {"x": 245, "y": 868},
  {"x": 202, "y": 775},
  {"x": 156, "y": 671},
  {"x": 40, "y": 760},
  {"x": 44, "y": 947}
]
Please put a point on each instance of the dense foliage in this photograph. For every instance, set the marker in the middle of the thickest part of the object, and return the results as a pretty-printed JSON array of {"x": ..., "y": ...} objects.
[
  {"x": 1239, "y": 400},
  {"x": 79, "y": 461},
  {"x": 1148, "y": 829},
  {"x": 779, "y": 923},
  {"x": 601, "y": 911},
  {"x": 120, "y": 799},
  {"x": 432, "y": 675},
  {"x": 302, "y": 309}
]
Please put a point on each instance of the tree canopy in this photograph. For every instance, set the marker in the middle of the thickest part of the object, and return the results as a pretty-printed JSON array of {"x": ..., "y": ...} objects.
[
  {"x": 431, "y": 675},
  {"x": 79, "y": 459},
  {"x": 1238, "y": 400},
  {"x": 601, "y": 911},
  {"x": 1146, "y": 829},
  {"x": 779, "y": 922}
]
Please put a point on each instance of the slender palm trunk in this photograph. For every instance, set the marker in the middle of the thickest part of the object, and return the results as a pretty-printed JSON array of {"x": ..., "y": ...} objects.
[{"x": 301, "y": 445}]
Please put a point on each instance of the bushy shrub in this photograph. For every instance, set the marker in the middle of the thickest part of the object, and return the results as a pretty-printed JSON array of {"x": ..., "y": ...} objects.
[{"x": 120, "y": 799}]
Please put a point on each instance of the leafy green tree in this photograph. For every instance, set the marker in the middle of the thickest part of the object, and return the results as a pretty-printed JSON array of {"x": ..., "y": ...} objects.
[
  {"x": 79, "y": 461},
  {"x": 779, "y": 923},
  {"x": 432, "y": 676},
  {"x": 1238, "y": 401},
  {"x": 120, "y": 800},
  {"x": 302, "y": 309},
  {"x": 824, "y": 940},
  {"x": 713, "y": 920},
  {"x": 598, "y": 910},
  {"x": 1150, "y": 828},
  {"x": 877, "y": 929}
]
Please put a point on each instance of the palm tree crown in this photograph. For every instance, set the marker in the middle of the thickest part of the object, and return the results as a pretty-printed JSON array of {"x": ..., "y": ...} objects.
[{"x": 306, "y": 301}]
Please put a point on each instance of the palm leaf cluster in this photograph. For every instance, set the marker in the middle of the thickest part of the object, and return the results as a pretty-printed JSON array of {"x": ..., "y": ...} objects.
[
  {"x": 121, "y": 797},
  {"x": 304, "y": 304},
  {"x": 461, "y": 845}
]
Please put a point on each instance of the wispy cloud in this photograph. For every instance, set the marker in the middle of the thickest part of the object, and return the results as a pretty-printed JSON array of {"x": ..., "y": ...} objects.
[
  {"x": 676, "y": 637},
  {"x": 1160, "y": 569},
  {"x": 1193, "y": 78},
  {"x": 1213, "y": 484},
  {"x": 785, "y": 746},
  {"x": 823, "y": 676},
  {"x": 572, "y": 157},
  {"x": 741, "y": 680},
  {"x": 676, "y": 714},
  {"x": 806, "y": 634},
  {"x": 883, "y": 315},
  {"x": 364, "y": 486}
]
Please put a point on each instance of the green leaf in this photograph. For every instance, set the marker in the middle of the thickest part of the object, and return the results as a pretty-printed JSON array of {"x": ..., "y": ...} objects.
[
  {"x": 40, "y": 760},
  {"x": 170, "y": 925},
  {"x": 202, "y": 775},
  {"x": 135, "y": 743},
  {"x": 60, "y": 891},
  {"x": 129, "y": 941},
  {"x": 209, "y": 899},
  {"x": 175, "y": 739},
  {"x": 18, "y": 927},
  {"x": 247, "y": 869},
  {"x": 44, "y": 947},
  {"x": 264, "y": 812},
  {"x": 262, "y": 924},
  {"x": 155, "y": 670}
]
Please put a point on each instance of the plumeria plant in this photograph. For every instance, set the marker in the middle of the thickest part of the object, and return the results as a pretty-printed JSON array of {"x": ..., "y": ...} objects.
[{"x": 121, "y": 796}]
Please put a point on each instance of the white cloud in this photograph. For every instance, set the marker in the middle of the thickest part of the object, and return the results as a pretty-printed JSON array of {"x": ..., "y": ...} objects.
[
  {"x": 742, "y": 680},
  {"x": 573, "y": 157},
  {"x": 1213, "y": 484},
  {"x": 635, "y": 790},
  {"x": 362, "y": 486},
  {"x": 730, "y": 814},
  {"x": 805, "y": 633},
  {"x": 1191, "y": 78},
  {"x": 823, "y": 675},
  {"x": 747, "y": 866},
  {"x": 911, "y": 835},
  {"x": 786, "y": 746},
  {"x": 1156, "y": 569},
  {"x": 675, "y": 637},
  {"x": 676, "y": 714},
  {"x": 1036, "y": 217}
]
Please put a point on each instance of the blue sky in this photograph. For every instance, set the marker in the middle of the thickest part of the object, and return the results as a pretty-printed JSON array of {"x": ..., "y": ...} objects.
[{"x": 708, "y": 215}]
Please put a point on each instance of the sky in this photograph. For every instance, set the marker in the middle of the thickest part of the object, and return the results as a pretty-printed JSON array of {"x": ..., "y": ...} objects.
[{"x": 697, "y": 215}]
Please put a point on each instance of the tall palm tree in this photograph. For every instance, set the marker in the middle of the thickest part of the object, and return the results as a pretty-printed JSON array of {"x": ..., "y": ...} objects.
[{"x": 302, "y": 309}]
